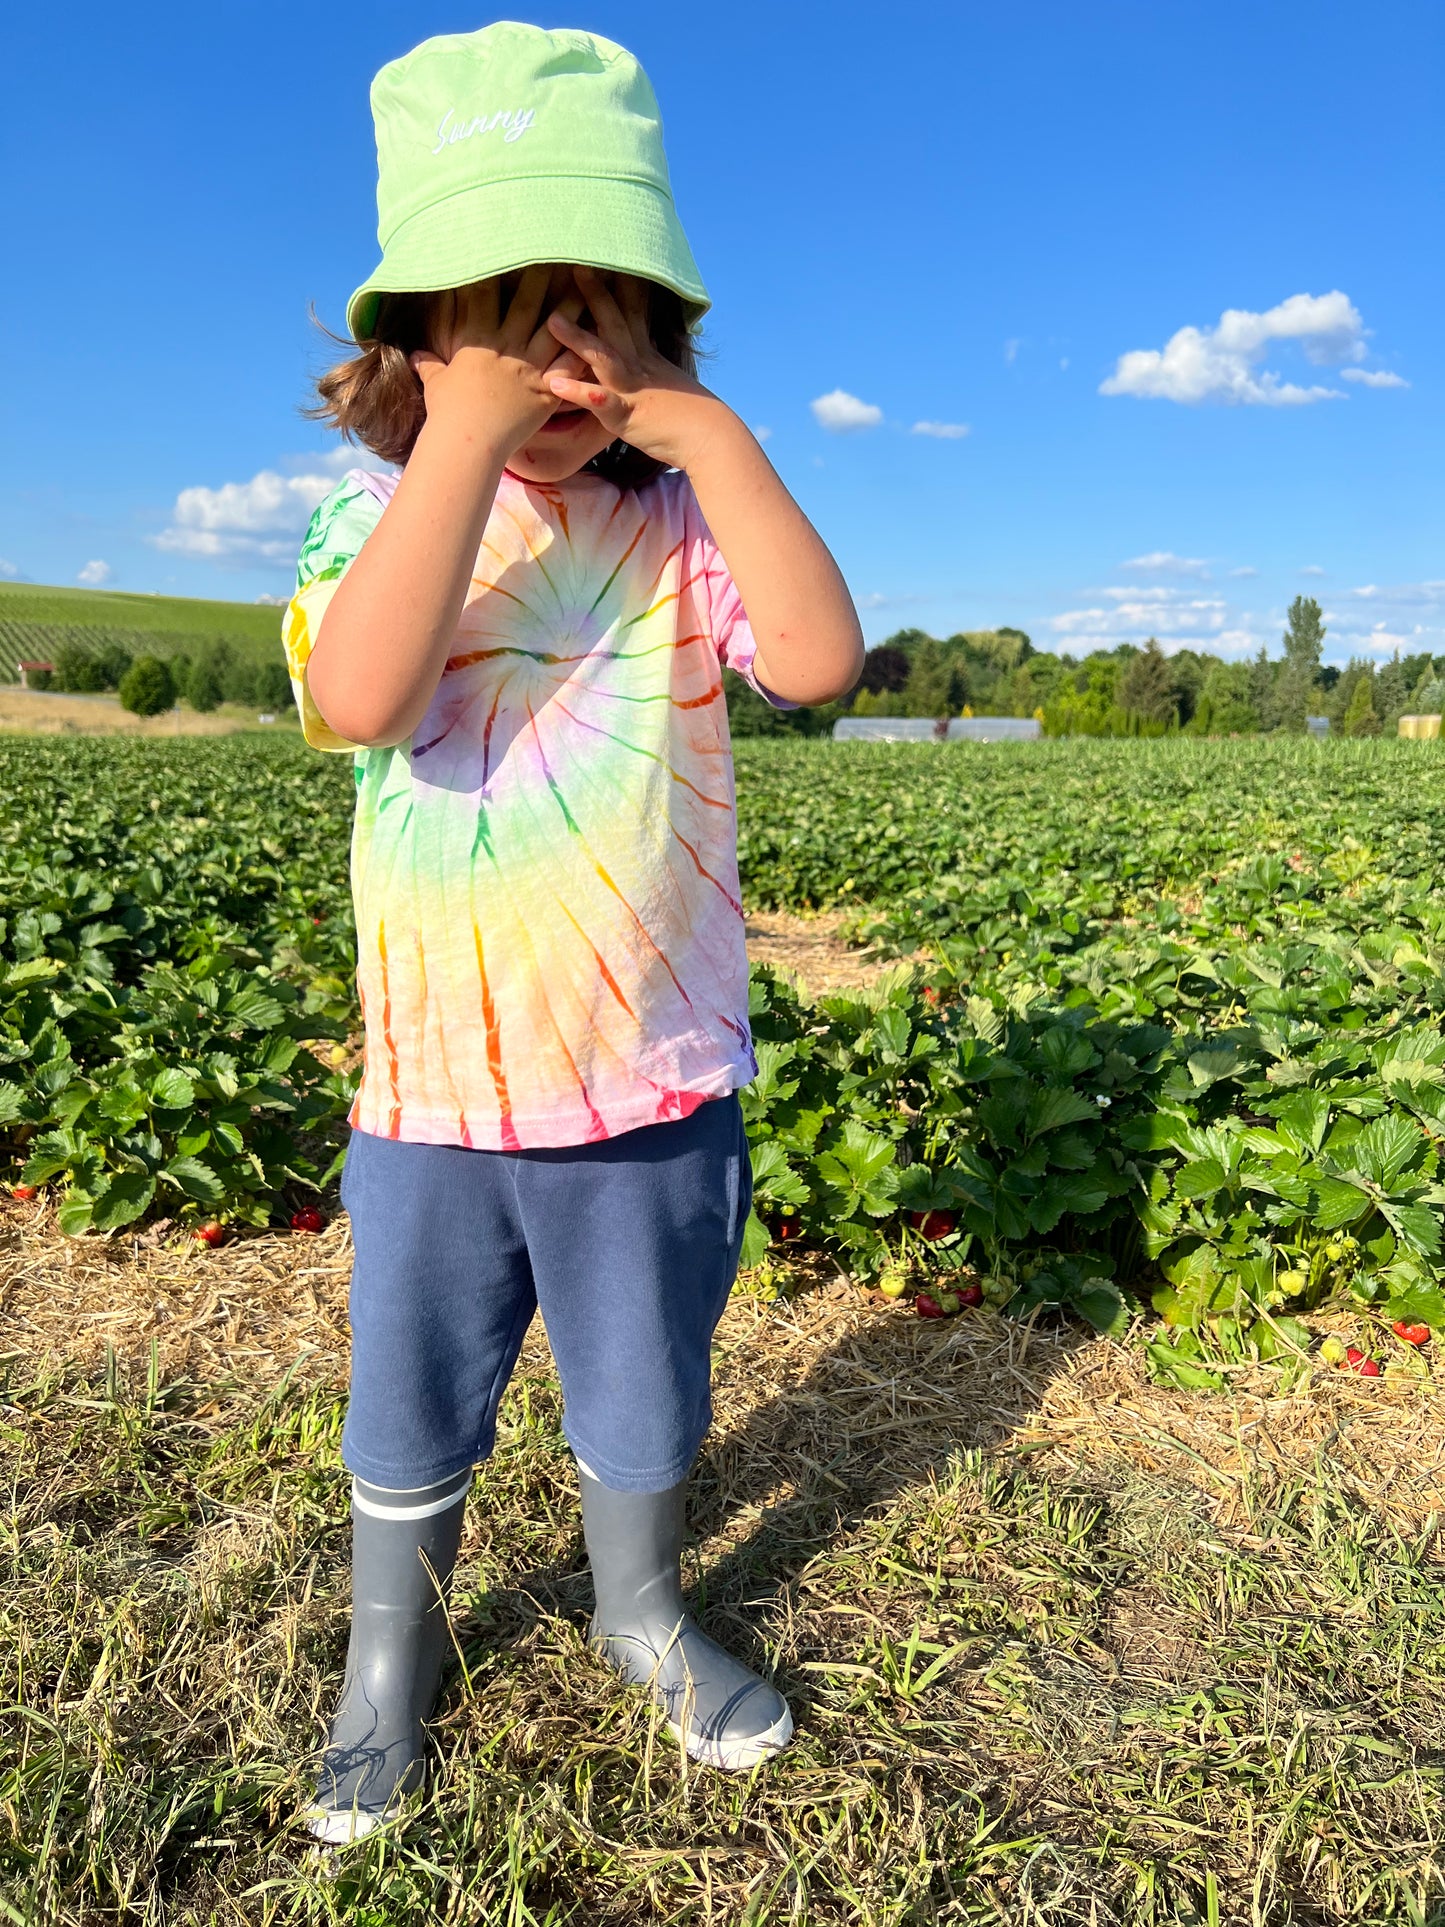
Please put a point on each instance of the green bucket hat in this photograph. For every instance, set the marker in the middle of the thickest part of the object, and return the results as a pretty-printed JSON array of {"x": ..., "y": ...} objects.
[{"x": 512, "y": 145}]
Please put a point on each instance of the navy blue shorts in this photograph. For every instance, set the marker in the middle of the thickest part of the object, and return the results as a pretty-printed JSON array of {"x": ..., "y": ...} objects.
[{"x": 630, "y": 1248}]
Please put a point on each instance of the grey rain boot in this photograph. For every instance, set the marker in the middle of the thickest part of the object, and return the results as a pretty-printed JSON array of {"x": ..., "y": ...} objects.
[
  {"x": 724, "y": 1715},
  {"x": 375, "y": 1755}
]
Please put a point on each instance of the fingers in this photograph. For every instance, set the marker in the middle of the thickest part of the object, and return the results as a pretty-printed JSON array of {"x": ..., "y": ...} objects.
[
  {"x": 524, "y": 310},
  {"x": 610, "y": 321},
  {"x": 562, "y": 299},
  {"x": 424, "y": 364},
  {"x": 580, "y": 340},
  {"x": 584, "y": 394},
  {"x": 634, "y": 301}
]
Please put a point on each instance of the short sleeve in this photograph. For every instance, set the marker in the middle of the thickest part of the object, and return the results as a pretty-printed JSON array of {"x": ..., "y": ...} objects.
[
  {"x": 731, "y": 631},
  {"x": 342, "y": 522}
]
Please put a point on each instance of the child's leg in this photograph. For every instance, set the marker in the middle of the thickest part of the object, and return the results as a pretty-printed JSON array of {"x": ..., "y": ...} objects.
[
  {"x": 634, "y": 1245},
  {"x": 441, "y": 1297}
]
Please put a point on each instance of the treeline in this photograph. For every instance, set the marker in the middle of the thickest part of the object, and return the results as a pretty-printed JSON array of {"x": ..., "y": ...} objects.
[
  {"x": 1124, "y": 691},
  {"x": 205, "y": 676}
]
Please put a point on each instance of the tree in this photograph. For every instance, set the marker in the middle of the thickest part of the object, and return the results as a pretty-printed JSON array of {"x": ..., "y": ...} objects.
[
  {"x": 1392, "y": 695},
  {"x": 1304, "y": 642},
  {"x": 1224, "y": 707},
  {"x": 202, "y": 686},
  {"x": 146, "y": 688},
  {"x": 1360, "y": 717},
  {"x": 1146, "y": 688},
  {"x": 273, "y": 686},
  {"x": 77, "y": 671},
  {"x": 1261, "y": 688},
  {"x": 935, "y": 687},
  {"x": 885, "y": 667}
]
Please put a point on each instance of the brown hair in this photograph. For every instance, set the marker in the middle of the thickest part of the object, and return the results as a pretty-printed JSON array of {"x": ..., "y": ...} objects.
[{"x": 375, "y": 396}]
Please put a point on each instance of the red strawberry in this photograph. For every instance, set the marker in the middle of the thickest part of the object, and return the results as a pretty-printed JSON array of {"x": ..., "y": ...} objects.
[
  {"x": 788, "y": 1228},
  {"x": 970, "y": 1295},
  {"x": 1353, "y": 1355},
  {"x": 308, "y": 1218},
  {"x": 316, "y": 919},
  {"x": 930, "y": 995},
  {"x": 212, "y": 1233},
  {"x": 24, "y": 1191},
  {"x": 1412, "y": 1334},
  {"x": 933, "y": 1224},
  {"x": 1368, "y": 1368},
  {"x": 927, "y": 1307}
]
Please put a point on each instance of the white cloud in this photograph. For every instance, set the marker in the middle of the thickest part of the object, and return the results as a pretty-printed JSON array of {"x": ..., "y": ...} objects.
[
  {"x": 93, "y": 574},
  {"x": 1246, "y": 569},
  {"x": 761, "y": 432},
  {"x": 942, "y": 431},
  {"x": 274, "y": 601},
  {"x": 1223, "y": 363},
  {"x": 8, "y": 570},
  {"x": 1165, "y": 562},
  {"x": 876, "y": 600},
  {"x": 1374, "y": 377},
  {"x": 839, "y": 411},
  {"x": 1407, "y": 594},
  {"x": 1177, "y": 618},
  {"x": 262, "y": 520},
  {"x": 1011, "y": 351},
  {"x": 1313, "y": 568}
]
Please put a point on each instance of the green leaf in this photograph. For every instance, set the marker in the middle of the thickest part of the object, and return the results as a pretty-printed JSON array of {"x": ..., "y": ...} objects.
[
  {"x": 1104, "y": 1308},
  {"x": 1050, "y": 1109},
  {"x": 774, "y": 1177},
  {"x": 1338, "y": 1203},
  {"x": 1385, "y": 1148},
  {"x": 172, "y": 1090},
  {"x": 73, "y": 1217},
  {"x": 196, "y": 1179},
  {"x": 1200, "y": 1179},
  {"x": 755, "y": 1241},
  {"x": 122, "y": 1200},
  {"x": 12, "y": 1103}
]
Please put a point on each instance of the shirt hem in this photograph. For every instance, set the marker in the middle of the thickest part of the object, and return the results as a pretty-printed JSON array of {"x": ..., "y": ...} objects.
[{"x": 551, "y": 1134}]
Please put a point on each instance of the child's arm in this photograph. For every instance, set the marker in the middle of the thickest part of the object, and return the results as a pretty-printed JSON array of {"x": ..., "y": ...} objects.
[
  {"x": 809, "y": 644},
  {"x": 383, "y": 641}
]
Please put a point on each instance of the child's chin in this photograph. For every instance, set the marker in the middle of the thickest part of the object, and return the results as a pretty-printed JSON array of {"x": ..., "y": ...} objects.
[{"x": 545, "y": 464}]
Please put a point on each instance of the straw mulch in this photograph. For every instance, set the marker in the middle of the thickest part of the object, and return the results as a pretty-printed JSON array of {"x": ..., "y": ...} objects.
[
  {"x": 811, "y": 949},
  {"x": 830, "y": 1362}
]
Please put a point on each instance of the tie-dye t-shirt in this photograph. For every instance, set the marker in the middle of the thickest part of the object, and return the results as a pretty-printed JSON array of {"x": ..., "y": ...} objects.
[{"x": 549, "y": 938}]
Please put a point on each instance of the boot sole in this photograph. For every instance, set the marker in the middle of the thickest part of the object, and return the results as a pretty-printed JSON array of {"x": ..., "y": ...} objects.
[
  {"x": 735, "y": 1756},
  {"x": 343, "y": 1826}
]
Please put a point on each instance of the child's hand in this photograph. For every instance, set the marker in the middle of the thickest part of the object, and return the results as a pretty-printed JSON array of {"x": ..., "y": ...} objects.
[
  {"x": 637, "y": 394},
  {"x": 493, "y": 372}
]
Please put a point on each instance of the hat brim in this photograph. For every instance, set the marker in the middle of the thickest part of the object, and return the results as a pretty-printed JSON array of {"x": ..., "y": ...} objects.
[{"x": 619, "y": 225}]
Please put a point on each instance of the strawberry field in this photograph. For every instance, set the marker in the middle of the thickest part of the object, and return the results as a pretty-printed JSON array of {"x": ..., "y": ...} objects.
[{"x": 1166, "y": 1032}]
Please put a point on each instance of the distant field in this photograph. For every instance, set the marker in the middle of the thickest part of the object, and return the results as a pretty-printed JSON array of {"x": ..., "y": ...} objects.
[{"x": 36, "y": 620}]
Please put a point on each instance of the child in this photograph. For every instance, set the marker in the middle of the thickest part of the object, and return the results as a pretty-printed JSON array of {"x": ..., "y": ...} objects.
[{"x": 521, "y": 640}]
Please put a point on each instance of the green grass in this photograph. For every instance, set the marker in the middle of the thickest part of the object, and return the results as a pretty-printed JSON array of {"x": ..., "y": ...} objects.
[
  {"x": 1023, "y": 1694},
  {"x": 36, "y": 620}
]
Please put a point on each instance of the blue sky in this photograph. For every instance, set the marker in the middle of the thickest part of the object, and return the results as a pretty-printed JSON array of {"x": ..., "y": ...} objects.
[{"x": 971, "y": 216}]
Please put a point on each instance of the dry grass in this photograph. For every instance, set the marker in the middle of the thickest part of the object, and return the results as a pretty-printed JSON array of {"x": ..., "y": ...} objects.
[
  {"x": 1064, "y": 1646},
  {"x": 49, "y": 712},
  {"x": 811, "y": 949}
]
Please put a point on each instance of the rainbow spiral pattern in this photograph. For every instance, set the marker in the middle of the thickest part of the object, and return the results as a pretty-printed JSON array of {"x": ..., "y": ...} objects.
[{"x": 549, "y": 934}]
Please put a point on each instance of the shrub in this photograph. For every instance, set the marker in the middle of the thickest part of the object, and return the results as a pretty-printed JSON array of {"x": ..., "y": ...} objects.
[
  {"x": 273, "y": 686},
  {"x": 203, "y": 686},
  {"x": 77, "y": 671},
  {"x": 147, "y": 688},
  {"x": 112, "y": 660}
]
